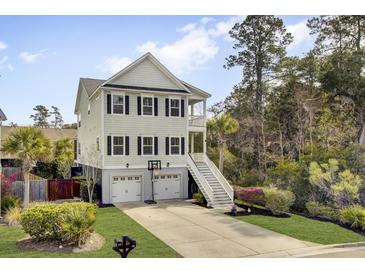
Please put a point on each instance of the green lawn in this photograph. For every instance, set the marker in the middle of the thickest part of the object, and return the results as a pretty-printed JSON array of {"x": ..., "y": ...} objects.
[
  {"x": 111, "y": 223},
  {"x": 306, "y": 229}
]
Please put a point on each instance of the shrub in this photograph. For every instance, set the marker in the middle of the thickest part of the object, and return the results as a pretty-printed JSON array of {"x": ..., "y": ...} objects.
[
  {"x": 13, "y": 215},
  {"x": 77, "y": 222},
  {"x": 278, "y": 201},
  {"x": 353, "y": 216},
  {"x": 199, "y": 198},
  {"x": 9, "y": 201},
  {"x": 316, "y": 209},
  {"x": 285, "y": 174},
  {"x": 67, "y": 222},
  {"x": 251, "y": 195}
]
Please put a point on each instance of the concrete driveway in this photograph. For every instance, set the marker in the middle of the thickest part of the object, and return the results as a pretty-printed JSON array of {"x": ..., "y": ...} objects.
[{"x": 194, "y": 231}]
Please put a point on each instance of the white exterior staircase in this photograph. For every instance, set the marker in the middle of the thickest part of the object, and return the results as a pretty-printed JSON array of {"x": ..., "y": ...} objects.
[{"x": 212, "y": 184}]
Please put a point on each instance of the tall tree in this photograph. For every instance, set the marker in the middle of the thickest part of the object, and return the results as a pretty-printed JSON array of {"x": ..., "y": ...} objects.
[
  {"x": 41, "y": 116},
  {"x": 221, "y": 126},
  {"x": 340, "y": 42},
  {"x": 261, "y": 42},
  {"x": 57, "y": 121},
  {"x": 29, "y": 145}
]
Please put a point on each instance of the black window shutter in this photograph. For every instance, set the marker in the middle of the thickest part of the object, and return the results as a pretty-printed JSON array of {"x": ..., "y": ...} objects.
[
  {"x": 126, "y": 98},
  {"x": 75, "y": 149},
  {"x": 139, "y": 105},
  {"x": 182, "y": 145},
  {"x": 126, "y": 145},
  {"x": 182, "y": 107},
  {"x": 156, "y": 145},
  {"x": 139, "y": 145},
  {"x": 109, "y": 103},
  {"x": 155, "y": 107},
  {"x": 167, "y": 108},
  {"x": 167, "y": 145},
  {"x": 109, "y": 143}
]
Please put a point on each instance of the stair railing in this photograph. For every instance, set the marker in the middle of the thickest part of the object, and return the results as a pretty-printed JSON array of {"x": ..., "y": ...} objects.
[
  {"x": 203, "y": 182},
  {"x": 223, "y": 181}
]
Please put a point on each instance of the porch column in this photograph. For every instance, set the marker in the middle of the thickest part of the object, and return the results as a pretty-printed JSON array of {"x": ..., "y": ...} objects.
[
  {"x": 192, "y": 142},
  {"x": 205, "y": 109},
  {"x": 192, "y": 109},
  {"x": 205, "y": 141}
]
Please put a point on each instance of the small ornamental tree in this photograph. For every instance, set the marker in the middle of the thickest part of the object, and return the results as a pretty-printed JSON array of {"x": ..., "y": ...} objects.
[{"x": 250, "y": 195}]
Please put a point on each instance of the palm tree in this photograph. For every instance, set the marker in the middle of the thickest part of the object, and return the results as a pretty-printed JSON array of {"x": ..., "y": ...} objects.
[
  {"x": 220, "y": 126},
  {"x": 29, "y": 145},
  {"x": 64, "y": 155}
]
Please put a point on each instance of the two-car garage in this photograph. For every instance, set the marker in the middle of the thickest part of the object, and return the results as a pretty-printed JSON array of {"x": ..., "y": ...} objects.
[{"x": 132, "y": 188}]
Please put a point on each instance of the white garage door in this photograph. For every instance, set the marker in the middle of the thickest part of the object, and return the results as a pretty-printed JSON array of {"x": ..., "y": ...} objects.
[
  {"x": 167, "y": 187},
  {"x": 126, "y": 188}
]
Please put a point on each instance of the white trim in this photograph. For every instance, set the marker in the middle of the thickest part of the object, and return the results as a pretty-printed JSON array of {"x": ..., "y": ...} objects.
[
  {"x": 175, "y": 98},
  {"x": 153, "y": 107},
  {"x": 142, "y": 144},
  {"x": 102, "y": 133},
  {"x": 113, "y": 93},
  {"x": 138, "y": 91},
  {"x": 112, "y": 144},
  {"x": 179, "y": 145}
]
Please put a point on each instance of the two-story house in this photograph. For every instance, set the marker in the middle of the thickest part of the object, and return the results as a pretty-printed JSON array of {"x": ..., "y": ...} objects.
[{"x": 145, "y": 113}]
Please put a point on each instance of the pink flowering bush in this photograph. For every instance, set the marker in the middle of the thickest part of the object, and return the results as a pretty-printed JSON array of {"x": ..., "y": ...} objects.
[
  {"x": 7, "y": 184},
  {"x": 250, "y": 195}
]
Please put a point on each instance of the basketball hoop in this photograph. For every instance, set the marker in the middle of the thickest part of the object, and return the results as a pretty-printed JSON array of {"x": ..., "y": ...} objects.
[{"x": 155, "y": 167}]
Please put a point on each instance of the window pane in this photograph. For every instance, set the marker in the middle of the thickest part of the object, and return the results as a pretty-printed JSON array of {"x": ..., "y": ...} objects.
[
  {"x": 118, "y": 140},
  {"x": 175, "y": 141},
  {"x": 175, "y": 103},
  {"x": 118, "y": 109},
  {"x": 147, "y": 150},
  {"x": 118, "y": 150},
  {"x": 147, "y": 110},
  {"x": 175, "y": 112},
  {"x": 175, "y": 150},
  {"x": 147, "y": 101},
  {"x": 117, "y": 100},
  {"x": 147, "y": 141}
]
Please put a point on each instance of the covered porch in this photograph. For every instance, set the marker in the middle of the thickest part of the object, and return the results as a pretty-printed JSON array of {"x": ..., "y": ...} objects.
[{"x": 197, "y": 125}]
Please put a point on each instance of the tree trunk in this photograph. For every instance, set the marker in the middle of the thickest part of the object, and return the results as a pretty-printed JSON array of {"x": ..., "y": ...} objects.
[
  {"x": 281, "y": 141},
  {"x": 362, "y": 135},
  {"x": 26, "y": 188},
  {"x": 221, "y": 157}
]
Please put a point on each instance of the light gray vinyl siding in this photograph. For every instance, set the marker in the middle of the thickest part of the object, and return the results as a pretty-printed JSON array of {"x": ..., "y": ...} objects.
[
  {"x": 90, "y": 129},
  {"x": 133, "y": 125},
  {"x": 146, "y": 74}
]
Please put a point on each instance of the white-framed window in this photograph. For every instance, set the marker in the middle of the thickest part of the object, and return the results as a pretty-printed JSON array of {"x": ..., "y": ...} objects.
[
  {"x": 147, "y": 145},
  {"x": 118, "y": 104},
  {"x": 175, "y": 145},
  {"x": 118, "y": 145},
  {"x": 147, "y": 105},
  {"x": 175, "y": 107}
]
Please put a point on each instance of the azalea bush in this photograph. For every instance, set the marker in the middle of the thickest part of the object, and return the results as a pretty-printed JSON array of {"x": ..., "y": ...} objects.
[{"x": 250, "y": 195}]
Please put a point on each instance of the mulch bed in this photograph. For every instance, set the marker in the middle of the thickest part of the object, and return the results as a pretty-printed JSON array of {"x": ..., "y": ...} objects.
[
  {"x": 243, "y": 210},
  {"x": 94, "y": 242}
]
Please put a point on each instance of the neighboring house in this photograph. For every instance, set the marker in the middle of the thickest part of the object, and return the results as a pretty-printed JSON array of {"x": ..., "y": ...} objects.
[
  {"x": 145, "y": 113},
  {"x": 53, "y": 134}
]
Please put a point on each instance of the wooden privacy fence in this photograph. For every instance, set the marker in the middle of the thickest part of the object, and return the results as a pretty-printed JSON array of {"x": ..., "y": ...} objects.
[
  {"x": 63, "y": 189},
  {"x": 37, "y": 190}
]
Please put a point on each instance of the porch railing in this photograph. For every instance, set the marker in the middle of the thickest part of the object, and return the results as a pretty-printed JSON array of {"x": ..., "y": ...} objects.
[{"x": 196, "y": 121}]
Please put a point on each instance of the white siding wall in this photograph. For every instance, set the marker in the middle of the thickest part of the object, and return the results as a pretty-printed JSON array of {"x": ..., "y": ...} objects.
[
  {"x": 133, "y": 125},
  {"x": 90, "y": 129},
  {"x": 146, "y": 74}
]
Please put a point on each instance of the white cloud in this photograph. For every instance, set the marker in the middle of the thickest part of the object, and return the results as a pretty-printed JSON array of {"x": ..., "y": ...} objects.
[
  {"x": 10, "y": 67},
  {"x": 3, "y": 45},
  {"x": 195, "y": 48},
  {"x": 300, "y": 32},
  {"x": 28, "y": 57},
  {"x": 3, "y": 60},
  {"x": 115, "y": 64}
]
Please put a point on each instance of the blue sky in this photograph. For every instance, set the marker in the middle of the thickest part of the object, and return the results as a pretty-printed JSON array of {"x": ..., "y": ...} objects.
[{"x": 42, "y": 57}]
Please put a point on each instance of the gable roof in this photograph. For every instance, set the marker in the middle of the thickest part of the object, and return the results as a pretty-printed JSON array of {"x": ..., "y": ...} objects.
[
  {"x": 2, "y": 116},
  {"x": 91, "y": 86}
]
